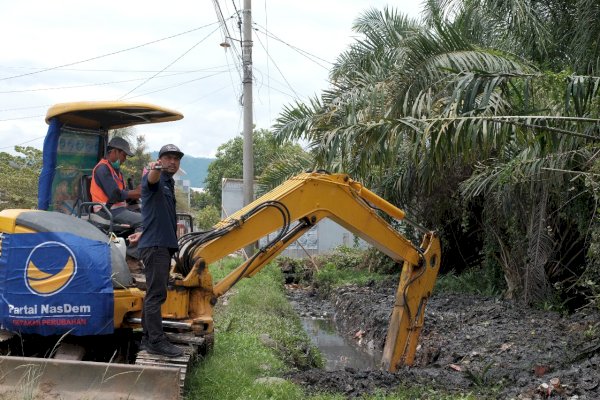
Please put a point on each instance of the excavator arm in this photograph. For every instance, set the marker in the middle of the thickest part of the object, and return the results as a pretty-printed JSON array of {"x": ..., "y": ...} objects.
[{"x": 290, "y": 210}]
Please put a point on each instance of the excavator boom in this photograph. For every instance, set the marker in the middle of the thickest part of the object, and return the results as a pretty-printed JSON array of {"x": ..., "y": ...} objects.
[{"x": 290, "y": 210}]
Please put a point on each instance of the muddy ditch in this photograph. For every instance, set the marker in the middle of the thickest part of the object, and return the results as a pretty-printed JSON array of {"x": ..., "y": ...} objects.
[{"x": 489, "y": 347}]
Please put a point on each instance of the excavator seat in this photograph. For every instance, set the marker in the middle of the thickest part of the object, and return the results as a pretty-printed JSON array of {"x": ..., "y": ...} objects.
[{"x": 86, "y": 212}]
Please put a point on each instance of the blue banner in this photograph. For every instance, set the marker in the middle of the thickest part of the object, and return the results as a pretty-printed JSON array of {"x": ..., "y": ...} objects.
[{"x": 55, "y": 283}]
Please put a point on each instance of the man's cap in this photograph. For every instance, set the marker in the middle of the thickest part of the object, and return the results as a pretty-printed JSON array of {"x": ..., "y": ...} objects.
[
  {"x": 121, "y": 144},
  {"x": 170, "y": 148}
]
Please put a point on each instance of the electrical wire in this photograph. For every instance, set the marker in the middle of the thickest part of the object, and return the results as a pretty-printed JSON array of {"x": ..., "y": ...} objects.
[
  {"x": 227, "y": 35},
  {"x": 170, "y": 87},
  {"x": 93, "y": 84},
  {"x": 205, "y": 96},
  {"x": 29, "y": 141},
  {"x": 278, "y": 69},
  {"x": 108, "y": 54},
  {"x": 235, "y": 56},
  {"x": 272, "y": 87},
  {"x": 24, "y": 108},
  {"x": 304, "y": 53},
  {"x": 168, "y": 65},
  {"x": 268, "y": 69},
  {"x": 18, "y": 118},
  {"x": 118, "y": 70}
]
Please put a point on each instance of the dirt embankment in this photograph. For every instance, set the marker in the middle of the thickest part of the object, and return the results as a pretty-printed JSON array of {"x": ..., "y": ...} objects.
[{"x": 489, "y": 347}]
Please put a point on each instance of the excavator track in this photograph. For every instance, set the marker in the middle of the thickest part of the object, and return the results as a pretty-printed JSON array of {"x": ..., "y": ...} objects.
[{"x": 183, "y": 363}]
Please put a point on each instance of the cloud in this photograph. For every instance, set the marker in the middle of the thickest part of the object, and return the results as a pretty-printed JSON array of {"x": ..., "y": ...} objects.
[{"x": 200, "y": 78}]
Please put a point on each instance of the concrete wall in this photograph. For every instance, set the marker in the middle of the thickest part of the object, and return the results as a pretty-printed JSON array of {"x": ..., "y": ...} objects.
[{"x": 323, "y": 237}]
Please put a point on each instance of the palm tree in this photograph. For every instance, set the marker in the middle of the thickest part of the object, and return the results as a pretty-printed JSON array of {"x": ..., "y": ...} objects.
[{"x": 465, "y": 111}]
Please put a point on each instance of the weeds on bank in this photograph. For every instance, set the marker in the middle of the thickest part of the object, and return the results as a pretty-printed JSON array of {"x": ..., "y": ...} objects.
[
  {"x": 258, "y": 335},
  {"x": 331, "y": 276},
  {"x": 473, "y": 280}
]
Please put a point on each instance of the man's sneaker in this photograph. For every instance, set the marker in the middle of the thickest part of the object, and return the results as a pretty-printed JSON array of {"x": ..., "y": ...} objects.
[{"x": 163, "y": 348}]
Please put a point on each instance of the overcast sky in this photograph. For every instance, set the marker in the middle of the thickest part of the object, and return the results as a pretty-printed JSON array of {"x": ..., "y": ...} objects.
[{"x": 63, "y": 51}]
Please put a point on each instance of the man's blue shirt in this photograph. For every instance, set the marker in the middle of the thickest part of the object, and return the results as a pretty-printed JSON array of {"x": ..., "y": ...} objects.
[{"x": 159, "y": 213}]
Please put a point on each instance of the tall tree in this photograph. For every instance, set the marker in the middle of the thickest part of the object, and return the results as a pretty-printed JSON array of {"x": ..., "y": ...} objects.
[
  {"x": 463, "y": 115},
  {"x": 228, "y": 162}
]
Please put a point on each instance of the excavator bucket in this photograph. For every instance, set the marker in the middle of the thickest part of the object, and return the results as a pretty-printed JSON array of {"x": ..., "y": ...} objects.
[{"x": 40, "y": 379}]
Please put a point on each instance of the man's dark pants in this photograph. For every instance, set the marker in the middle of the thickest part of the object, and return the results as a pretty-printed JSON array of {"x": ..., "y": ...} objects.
[{"x": 157, "y": 262}]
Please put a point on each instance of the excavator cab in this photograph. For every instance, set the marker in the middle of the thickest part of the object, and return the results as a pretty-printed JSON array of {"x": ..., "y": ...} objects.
[
  {"x": 76, "y": 140},
  {"x": 65, "y": 281}
]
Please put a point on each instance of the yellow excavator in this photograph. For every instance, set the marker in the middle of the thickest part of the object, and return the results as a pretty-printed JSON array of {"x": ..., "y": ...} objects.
[{"x": 71, "y": 306}]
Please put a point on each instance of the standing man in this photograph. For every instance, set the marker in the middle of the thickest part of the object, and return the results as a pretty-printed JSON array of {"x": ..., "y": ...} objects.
[
  {"x": 157, "y": 245},
  {"x": 108, "y": 185}
]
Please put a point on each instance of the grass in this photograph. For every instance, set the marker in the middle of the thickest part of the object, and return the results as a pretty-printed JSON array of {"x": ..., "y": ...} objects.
[
  {"x": 474, "y": 280},
  {"x": 258, "y": 334},
  {"x": 242, "y": 356},
  {"x": 330, "y": 276}
]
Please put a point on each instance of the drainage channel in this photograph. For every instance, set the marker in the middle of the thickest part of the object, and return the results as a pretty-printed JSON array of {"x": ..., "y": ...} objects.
[{"x": 338, "y": 352}]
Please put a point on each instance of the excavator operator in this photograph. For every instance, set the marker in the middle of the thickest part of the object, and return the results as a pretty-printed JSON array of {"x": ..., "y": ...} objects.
[{"x": 109, "y": 187}]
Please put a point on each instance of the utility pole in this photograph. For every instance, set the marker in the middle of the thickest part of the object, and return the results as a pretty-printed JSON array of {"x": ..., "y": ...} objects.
[{"x": 248, "y": 154}]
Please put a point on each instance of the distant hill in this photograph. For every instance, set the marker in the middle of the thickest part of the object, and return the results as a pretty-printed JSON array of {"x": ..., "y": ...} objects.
[{"x": 195, "y": 167}]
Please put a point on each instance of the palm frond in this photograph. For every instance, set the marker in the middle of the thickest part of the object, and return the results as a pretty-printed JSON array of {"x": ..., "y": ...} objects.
[{"x": 282, "y": 167}]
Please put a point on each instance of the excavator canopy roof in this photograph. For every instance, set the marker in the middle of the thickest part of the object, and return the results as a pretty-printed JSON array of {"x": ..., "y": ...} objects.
[{"x": 105, "y": 115}]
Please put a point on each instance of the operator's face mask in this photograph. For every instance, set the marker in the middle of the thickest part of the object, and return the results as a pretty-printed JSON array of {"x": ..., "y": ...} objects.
[{"x": 116, "y": 164}]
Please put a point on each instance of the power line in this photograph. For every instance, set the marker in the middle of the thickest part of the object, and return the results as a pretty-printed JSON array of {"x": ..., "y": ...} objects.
[
  {"x": 227, "y": 34},
  {"x": 18, "y": 118},
  {"x": 278, "y": 69},
  {"x": 235, "y": 56},
  {"x": 108, "y": 54},
  {"x": 268, "y": 86},
  {"x": 117, "y": 70},
  {"x": 170, "y": 87},
  {"x": 24, "y": 108},
  {"x": 204, "y": 96},
  {"x": 268, "y": 69},
  {"x": 92, "y": 84},
  {"x": 304, "y": 53},
  {"x": 168, "y": 65},
  {"x": 20, "y": 144}
]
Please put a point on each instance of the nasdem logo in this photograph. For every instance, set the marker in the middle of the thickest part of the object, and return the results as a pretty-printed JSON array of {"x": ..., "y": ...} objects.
[{"x": 50, "y": 268}]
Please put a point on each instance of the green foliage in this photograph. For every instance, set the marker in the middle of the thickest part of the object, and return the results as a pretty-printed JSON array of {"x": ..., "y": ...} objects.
[
  {"x": 241, "y": 354},
  {"x": 221, "y": 268},
  {"x": 19, "y": 175},
  {"x": 344, "y": 265},
  {"x": 589, "y": 283},
  {"x": 375, "y": 261},
  {"x": 480, "y": 378},
  {"x": 229, "y": 158},
  {"x": 207, "y": 217},
  {"x": 479, "y": 281},
  {"x": 134, "y": 166},
  {"x": 484, "y": 109},
  {"x": 199, "y": 200},
  {"x": 343, "y": 257}
]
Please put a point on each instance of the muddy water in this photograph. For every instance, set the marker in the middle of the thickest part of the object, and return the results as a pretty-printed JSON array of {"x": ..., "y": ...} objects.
[{"x": 338, "y": 352}]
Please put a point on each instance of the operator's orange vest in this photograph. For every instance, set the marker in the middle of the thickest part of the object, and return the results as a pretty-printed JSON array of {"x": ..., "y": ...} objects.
[{"x": 96, "y": 191}]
